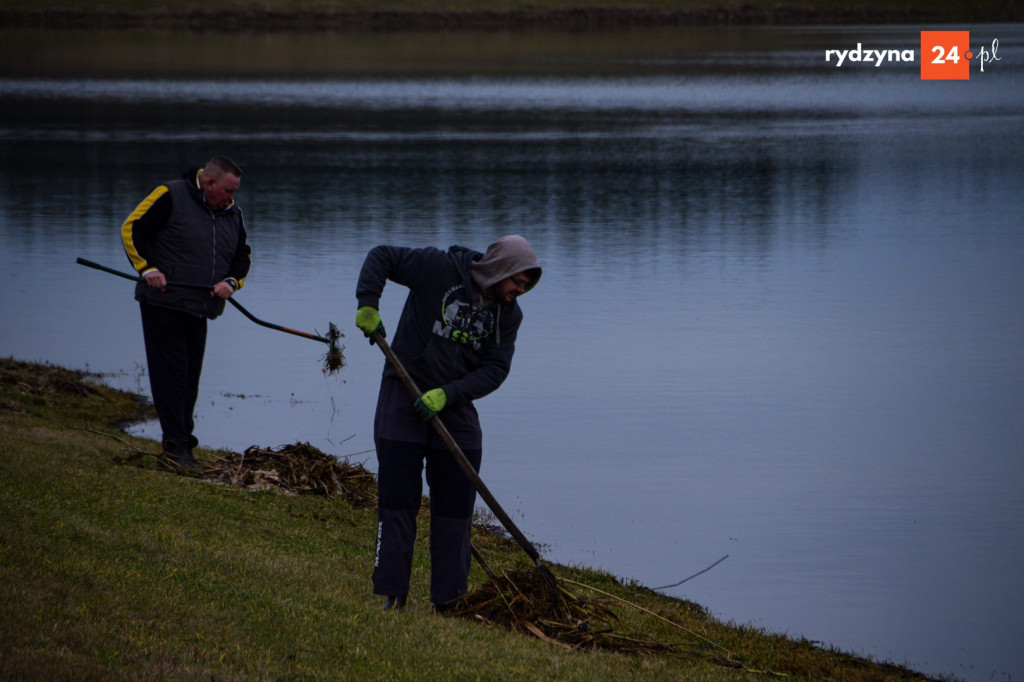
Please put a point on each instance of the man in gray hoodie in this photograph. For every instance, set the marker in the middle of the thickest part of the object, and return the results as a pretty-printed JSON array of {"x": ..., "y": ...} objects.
[{"x": 456, "y": 338}]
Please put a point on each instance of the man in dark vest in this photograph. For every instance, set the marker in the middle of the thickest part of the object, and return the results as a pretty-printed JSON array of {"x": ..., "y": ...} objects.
[{"x": 187, "y": 231}]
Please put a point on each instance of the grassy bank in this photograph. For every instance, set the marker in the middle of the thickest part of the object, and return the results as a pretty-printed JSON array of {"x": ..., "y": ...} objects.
[
  {"x": 397, "y": 15},
  {"x": 113, "y": 569}
]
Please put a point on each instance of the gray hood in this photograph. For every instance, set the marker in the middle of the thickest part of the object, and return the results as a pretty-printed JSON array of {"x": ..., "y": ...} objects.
[{"x": 508, "y": 256}]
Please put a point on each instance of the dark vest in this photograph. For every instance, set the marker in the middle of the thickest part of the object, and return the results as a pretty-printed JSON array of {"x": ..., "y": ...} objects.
[{"x": 195, "y": 246}]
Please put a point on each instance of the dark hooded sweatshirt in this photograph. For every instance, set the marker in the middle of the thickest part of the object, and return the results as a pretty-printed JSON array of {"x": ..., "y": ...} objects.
[{"x": 451, "y": 335}]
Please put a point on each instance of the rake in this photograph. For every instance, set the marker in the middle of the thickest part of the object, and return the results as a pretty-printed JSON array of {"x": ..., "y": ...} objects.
[
  {"x": 334, "y": 360},
  {"x": 548, "y": 578}
]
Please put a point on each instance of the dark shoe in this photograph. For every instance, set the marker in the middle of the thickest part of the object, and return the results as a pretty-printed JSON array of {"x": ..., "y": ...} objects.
[
  {"x": 447, "y": 607},
  {"x": 177, "y": 463},
  {"x": 191, "y": 464},
  {"x": 394, "y": 603}
]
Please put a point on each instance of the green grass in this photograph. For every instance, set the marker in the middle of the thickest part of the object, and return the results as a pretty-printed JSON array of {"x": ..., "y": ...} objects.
[{"x": 118, "y": 571}]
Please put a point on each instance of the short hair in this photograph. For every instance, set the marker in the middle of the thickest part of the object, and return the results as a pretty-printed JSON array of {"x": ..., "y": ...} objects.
[{"x": 219, "y": 165}]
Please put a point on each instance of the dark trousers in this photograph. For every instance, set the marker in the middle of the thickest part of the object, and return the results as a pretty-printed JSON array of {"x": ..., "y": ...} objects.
[
  {"x": 401, "y": 463},
  {"x": 175, "y": 345},
  {"x": 400, "y": 487}
]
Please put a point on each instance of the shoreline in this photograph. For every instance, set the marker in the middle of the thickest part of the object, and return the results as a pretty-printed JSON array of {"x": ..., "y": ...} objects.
[
  {"x": 577, "y": 19},
  {"x": 142, "y": 574}
]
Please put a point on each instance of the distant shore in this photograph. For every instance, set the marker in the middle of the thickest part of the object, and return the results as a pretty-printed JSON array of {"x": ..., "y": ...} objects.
[{"x": 579, "y": 19}]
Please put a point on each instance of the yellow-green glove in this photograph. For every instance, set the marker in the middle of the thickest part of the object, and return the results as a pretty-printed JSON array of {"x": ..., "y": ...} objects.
[
  {"x": 431, "y": 402},
  {"x": 368, "y": 319}
]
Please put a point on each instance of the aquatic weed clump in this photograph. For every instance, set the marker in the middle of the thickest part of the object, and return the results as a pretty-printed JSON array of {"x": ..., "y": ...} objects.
[
  {"x": 524, "y": 600},
  {"x": 296, "y": 469},
  {"x": 334, "y": 360}
]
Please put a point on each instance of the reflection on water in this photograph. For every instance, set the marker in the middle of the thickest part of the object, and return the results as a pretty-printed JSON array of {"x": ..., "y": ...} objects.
[
  {"x": 779, "y": 94},
  {"x": 780, "y": 318}
]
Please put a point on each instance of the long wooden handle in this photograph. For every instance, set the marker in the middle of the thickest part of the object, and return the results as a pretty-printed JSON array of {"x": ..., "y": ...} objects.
[
  {"x": 460, "y": 457},
  {"x": 207, "y": 287}
]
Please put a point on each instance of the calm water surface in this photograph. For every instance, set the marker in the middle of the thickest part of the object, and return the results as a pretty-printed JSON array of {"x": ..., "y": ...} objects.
[{"x": 781, "y": 317}]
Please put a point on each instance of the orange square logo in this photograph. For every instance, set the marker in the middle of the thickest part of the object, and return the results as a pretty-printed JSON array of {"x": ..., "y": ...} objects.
[{"x": 946, "y": 55}]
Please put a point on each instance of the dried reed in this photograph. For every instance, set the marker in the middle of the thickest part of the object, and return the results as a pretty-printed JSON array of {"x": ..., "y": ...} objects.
[{"x": 297, "y": 469}]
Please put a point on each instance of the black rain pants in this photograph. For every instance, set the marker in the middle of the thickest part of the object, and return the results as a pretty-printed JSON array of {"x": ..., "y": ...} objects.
[
  {"x": 406, "y": 444},
  {"x": 175, "y": 346}
]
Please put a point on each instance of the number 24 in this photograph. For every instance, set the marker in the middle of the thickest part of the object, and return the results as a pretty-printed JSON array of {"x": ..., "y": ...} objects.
[{"x": 953, "y": 55}]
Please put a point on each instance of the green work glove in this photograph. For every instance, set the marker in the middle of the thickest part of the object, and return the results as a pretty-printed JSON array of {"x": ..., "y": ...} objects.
[
  {"x": 368, "y": 319},
  {"x": 431, "y": 402}
]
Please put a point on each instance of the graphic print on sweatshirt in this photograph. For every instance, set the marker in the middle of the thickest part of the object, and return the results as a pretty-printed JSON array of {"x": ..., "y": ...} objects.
[{"x": 462, "y": 323}]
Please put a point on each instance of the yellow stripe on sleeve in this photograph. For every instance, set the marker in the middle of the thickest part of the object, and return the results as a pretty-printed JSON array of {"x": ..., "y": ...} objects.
[
  {"x": 241, "y": 282},
  {"x": 127, "y": 229}
]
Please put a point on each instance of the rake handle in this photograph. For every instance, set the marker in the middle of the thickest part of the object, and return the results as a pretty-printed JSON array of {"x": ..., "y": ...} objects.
[
  {"x": 205, "y": 287},
  {"x": 460, "y": 457},
  {"x": 271, "y": 325}
]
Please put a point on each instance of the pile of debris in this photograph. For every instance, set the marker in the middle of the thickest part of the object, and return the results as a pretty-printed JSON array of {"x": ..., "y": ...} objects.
[
  {"x": 297, "y": 469},
  {"x": 523, "y": 600}
]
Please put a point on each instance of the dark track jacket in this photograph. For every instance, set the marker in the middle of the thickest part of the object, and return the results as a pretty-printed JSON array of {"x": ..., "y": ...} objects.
[
  {"x": 442, "y": 339},
  {"x": 174, "y": 231}
]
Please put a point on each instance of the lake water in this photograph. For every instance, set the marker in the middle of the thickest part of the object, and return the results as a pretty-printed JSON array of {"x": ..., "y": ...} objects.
[{"x": 782, "y": 314}]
